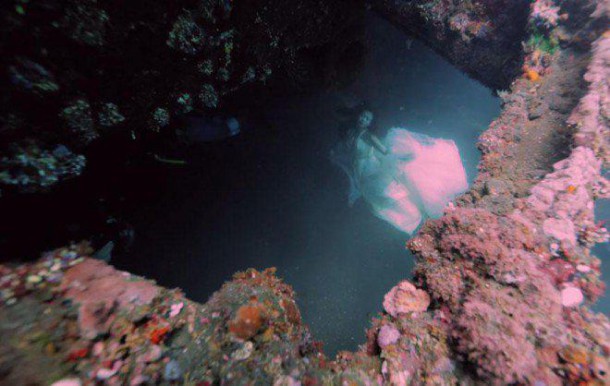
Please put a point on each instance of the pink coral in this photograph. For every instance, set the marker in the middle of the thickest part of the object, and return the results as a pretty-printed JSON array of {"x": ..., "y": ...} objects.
[
  {"x": 404, "y": 298},
  {"x": 99, "y": 289},
  {"x": 509, "y": 306},
  {"x": 571, "y": 296},
  {"x": 495, "y": 342},
  {"x": 545, "y": 13},
  {"x": 590, "y": 117},
  {"x": 388, "y": 335}
]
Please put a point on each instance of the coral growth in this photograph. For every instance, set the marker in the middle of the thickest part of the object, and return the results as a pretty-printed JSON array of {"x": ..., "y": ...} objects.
[
  {"x": 78, "y": 118},
  {"x": 405, "y": 298},
  {"x": 592, "y": 114},
  {"x": 110, "y": 115},
  {"x": 544, "y": 14},
  {"x": 110, "y": 327},
  {"x": 186, "y": 35},
  {"x": 248, "y": 321},
  {"x": 480, "y": 37},
  {"x": 510, "y": 277},
  {"x": 31, "y": 168},
  {"x": 76, "y": 68}
]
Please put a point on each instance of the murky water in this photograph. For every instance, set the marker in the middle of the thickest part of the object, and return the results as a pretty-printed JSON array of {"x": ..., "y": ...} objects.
[
  {"x": 602, "y": 213},
  {"x": 271, "y": 197}
]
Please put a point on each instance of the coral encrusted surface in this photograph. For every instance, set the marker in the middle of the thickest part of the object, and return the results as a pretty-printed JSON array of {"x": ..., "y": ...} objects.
[
  {"x": 73, "y": 71},
  {"x": 500, "y": 293}
]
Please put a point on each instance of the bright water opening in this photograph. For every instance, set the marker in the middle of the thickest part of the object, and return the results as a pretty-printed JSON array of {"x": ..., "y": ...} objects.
[{"x": 271, "y": 196}]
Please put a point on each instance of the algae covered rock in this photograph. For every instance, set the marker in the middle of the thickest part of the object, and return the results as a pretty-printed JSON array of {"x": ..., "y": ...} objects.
[{"x": 104, "y": 325}]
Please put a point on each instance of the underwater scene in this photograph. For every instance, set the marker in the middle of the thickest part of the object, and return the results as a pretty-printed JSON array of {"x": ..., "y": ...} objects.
[{"x": 337, "y": 192}]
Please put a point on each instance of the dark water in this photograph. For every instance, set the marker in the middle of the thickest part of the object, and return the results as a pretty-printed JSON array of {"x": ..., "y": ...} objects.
[{"x": 271, "y": 196}]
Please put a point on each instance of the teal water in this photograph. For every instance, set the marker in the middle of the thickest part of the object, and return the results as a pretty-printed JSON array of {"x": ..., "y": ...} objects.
[
  {"x": 273, "y": 197},
  {"x": 602, "y": 213}
]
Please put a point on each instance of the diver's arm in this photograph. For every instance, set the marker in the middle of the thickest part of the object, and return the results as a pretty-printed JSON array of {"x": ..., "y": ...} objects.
[
  {"x": 376, "y": 142},
  {"x": 373, "y": 140}
]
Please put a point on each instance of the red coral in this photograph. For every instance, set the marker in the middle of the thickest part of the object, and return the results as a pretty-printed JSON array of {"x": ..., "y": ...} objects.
[
  {"x": 77, "y": 354},
  {"x": 158, "y": 334}
]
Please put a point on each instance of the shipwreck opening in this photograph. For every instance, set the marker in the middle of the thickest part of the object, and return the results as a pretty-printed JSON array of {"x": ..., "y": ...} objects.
[
  {"x": 270, "y": 196},
  {"x": 311, "y": 140}
]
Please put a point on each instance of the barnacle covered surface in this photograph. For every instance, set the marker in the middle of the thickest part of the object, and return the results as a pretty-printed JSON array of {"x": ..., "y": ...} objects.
[{"x": 76, "y": 71}]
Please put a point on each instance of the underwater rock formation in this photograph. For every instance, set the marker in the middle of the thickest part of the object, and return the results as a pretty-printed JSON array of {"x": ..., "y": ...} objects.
[
  {"x": 75, "y": 71},
  {"x": 29, "y": 168},
  {"x": 405, "y": 298},
  {"x": 73, "y": 315},
  {"x": 482, "y": 38},
  {"x": 510, "y": 282},
  {"x": 501, "y": 290}
]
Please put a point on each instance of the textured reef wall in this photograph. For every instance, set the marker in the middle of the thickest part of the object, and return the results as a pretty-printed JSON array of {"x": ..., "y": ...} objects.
[
  {"x": 483, "y": 38},
  {"x": 509, "y": 271},
  {"x": 500, "y": 292},
  {"x": 75, "y": 71},
  {"x": 68, "y": 317}
]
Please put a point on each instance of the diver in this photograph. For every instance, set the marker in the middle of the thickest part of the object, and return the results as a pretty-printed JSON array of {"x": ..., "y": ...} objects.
[
  {"x": 358, "y": 124},
  {"x": 405, "y": 178}
]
